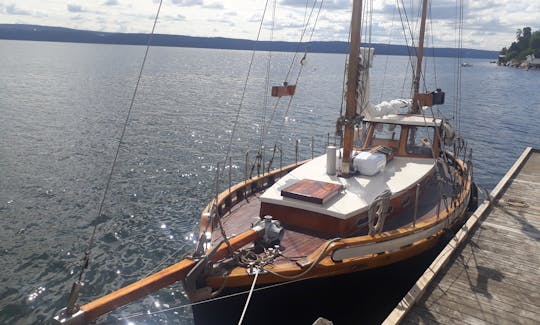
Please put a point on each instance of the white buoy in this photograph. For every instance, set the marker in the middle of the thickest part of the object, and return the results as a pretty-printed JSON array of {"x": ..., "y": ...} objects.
[{"x": 331, "y": 160}]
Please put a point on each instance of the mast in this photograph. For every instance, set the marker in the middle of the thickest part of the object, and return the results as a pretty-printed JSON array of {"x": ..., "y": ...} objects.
[
  {"x": 352, "y": 86},
  {"x": 420, "y": 55}
]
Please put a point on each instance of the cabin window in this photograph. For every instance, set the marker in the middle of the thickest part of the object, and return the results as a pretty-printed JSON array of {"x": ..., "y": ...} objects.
[
  {"x": 386, "y": 135},
  {"x": 420, "y": 140}
]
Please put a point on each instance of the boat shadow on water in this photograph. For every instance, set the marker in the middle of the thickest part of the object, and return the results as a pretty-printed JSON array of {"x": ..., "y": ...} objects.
[{"x": 364, "y": 297}]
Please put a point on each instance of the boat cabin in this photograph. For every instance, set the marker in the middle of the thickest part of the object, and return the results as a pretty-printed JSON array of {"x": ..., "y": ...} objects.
[
  {"x": 308, "y": 198},
  {"x": 406, "y": 135}
]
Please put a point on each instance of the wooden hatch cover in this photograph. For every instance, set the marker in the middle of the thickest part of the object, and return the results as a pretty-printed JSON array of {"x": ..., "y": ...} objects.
[{"x": 312, "y": 191}]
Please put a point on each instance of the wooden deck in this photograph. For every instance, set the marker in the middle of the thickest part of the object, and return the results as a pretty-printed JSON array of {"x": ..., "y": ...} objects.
[{"x": 489, "y": 273}]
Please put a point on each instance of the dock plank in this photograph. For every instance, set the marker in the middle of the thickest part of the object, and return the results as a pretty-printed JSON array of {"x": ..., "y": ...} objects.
[{"x": 490, "y": 271}]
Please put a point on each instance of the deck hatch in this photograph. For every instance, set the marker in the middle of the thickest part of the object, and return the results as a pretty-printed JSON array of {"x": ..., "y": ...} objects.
[{"x": 308, "y": 190}]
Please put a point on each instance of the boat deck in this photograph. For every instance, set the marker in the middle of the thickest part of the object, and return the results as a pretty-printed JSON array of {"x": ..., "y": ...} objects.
[
  {"x": 489, "y": 273},
  {"x": 243, "y": 215},
  {"x": 300, "y": 243}
]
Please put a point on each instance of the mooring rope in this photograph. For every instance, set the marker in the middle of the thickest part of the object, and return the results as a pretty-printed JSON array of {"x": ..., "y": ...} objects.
[{"x": 249, "y": 295}]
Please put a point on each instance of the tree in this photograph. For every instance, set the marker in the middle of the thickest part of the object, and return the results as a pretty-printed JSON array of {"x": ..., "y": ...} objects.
[
  {"x": 526, "y": 33},
  {"x": 534, "y": 44},
  {"x": 526, "y": 43},
  {"x": 518, "y": 34}
]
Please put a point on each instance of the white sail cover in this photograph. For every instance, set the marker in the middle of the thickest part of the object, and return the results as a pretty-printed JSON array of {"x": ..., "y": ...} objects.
[
  {"x": 364, "y": 107},
  {"x": 394, "y": 106},
  {"x": 366, "y": 60}
]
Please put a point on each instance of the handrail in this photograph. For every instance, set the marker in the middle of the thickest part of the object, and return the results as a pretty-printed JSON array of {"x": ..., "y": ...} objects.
[{"x": 235, "y": 194}]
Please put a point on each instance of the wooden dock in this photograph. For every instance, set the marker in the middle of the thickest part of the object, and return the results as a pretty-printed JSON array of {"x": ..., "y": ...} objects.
[{"x": 489, "y": 273}]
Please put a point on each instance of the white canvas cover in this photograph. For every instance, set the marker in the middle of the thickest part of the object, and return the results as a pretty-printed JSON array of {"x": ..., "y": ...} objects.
[{"x": 369, "y": 163}]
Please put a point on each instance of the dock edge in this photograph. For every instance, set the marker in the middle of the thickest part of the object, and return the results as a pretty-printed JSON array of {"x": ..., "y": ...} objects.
[{"x": 419, "y": 288}]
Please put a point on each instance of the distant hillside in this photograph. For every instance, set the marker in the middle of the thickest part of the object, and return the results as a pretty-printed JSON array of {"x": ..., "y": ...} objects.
[{"x": 60, "y": 34}]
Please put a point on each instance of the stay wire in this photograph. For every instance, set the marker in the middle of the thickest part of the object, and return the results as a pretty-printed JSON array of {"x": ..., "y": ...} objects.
[
  {"x": 267, "y": 78},
  {"x": 382, "y": 88},
  {"x": 213, "y": 299},
  {"x": 239, "y": 109},
  {"x": 290, "y": 280},
  {"x": 267, "y": 128},
  {"x": 301, "y": 38},
  {"x": 109, "y": 178},
  {"x": 432, "y": 32},
  {"x": 301, "y": 67},
  {"x": 401, "y": 14}
]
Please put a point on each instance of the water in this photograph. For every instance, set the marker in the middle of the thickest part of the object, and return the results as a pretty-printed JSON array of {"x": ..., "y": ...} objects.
[{"x": 62, "y": 109}]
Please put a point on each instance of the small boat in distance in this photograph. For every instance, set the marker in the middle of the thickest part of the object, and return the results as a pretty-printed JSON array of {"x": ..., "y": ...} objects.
[
  {"x": 466, "y": 65},
  {"x": 385, "y": 196}
]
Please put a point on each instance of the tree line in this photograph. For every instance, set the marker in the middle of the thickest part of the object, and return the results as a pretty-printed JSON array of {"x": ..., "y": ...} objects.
[{"x": 526, "y": 43}]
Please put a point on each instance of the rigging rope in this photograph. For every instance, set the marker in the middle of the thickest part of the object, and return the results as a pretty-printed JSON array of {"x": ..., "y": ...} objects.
[
  {"x": 292, "y": 279},
  {"x": 237, "y": 118},
  {"x": 387, "y": 56},
  {"x": 299, "y": 72},
  {"x": 267, "y": 78},
  {"x": 459, "y": 74},
  {"x": 301, "y": 38},
  {"x": 109, "y": 178},
  {"x": 406, "y": 39},
  {"x": 267, "y": 128},
  {"x": 212, "y": 300},
  {"x": 433, "y": 46}
]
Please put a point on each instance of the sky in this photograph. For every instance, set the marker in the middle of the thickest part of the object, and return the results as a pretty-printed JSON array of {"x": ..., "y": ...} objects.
[{"x": 487, "y": 24}]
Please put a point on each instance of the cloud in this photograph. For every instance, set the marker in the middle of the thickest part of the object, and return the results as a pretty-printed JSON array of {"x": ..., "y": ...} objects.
[
  {"x": 12, "y": 10},
  {"x": 177, "y": 17},
  {"x": 443, "y": 12},
  {"x": 222, "y": 21},
  {"x": 329, "y": 4},
  {"x": 187, "y": 3},
  {"x": 111, "y": 3},
  {"x": 75, "y": 8},
  {"x": 214, "y": 5}
]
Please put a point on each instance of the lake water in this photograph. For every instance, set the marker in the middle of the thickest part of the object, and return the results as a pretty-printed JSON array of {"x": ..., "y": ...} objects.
[{"x": 62, "y": 107}]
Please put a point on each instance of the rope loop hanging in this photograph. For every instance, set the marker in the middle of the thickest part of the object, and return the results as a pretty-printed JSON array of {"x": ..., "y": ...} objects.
[{"x": 378, "y": 211}]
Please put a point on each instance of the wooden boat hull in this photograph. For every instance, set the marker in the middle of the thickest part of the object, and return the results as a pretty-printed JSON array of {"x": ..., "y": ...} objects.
[
  {"x": 353, "y": 254},
  {"x": 326, "y": 268}
]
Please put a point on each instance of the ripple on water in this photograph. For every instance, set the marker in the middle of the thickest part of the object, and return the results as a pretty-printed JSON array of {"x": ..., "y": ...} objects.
[{"x": 62, "y": 113}]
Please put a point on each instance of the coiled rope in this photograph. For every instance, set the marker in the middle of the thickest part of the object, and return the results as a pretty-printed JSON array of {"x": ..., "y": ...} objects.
[{"x": 378, "y": 211}]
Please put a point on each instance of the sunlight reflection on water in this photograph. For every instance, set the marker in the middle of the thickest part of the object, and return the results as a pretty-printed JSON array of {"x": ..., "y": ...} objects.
[{"x": 62, "y": 115}]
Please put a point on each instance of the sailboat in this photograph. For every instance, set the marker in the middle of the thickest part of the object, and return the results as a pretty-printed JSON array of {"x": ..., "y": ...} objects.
[{"x": 386, "y": 196}]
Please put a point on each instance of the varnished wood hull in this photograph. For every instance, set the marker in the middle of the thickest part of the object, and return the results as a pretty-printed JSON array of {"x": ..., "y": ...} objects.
[{"x": 319, "y": 255}]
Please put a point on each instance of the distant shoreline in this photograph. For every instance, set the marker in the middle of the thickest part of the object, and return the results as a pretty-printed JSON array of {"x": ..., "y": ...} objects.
[{"x": 61, "y": 34}]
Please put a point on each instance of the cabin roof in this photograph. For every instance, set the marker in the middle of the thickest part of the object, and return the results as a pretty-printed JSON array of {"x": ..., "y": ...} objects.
[
  {"x": 358, "y": 191},
  {"x": 407, "y": 119}
]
